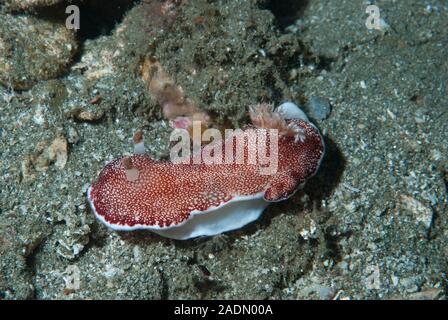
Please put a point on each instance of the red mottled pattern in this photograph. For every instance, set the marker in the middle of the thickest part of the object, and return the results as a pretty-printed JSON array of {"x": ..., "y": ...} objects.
[{"x": 165, "y": 193}]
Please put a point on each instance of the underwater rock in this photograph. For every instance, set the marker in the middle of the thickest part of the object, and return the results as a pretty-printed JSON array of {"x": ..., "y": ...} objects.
[
  {"x": 27, "y": 4},
  {"x": 32, "y": 49},
  {"x": 319, "y": 108}
]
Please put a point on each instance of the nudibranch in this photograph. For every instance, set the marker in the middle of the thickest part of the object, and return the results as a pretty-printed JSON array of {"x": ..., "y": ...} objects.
[{"x": 193, "y": 198}]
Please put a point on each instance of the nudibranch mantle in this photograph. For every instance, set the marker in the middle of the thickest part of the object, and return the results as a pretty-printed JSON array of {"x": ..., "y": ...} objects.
[{"x": 183, "y": 201}]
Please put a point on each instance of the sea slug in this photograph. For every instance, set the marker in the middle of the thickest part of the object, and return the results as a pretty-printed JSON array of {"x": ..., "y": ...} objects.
[{"x": 264, "y": 163}]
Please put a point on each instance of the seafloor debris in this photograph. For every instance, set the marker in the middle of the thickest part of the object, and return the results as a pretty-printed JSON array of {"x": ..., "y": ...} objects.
[
  {"x": 423, "y": 215},
  {"x": 176, "y": 106},
  {"x": 76, "y": 235},
  {"x": 45, "y": 153},
  {"x": 83, "y": 115}
]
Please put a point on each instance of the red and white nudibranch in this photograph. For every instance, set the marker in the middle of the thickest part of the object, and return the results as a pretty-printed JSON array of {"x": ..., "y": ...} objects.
[{"x": 183, "y": 201}]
